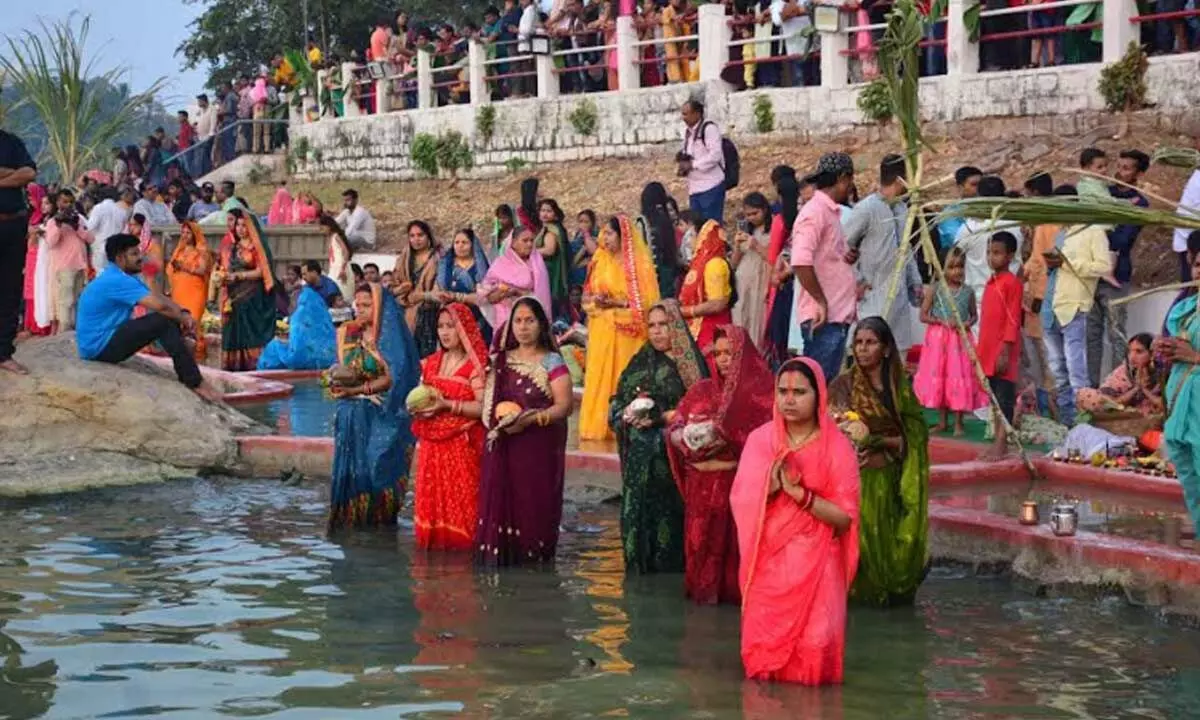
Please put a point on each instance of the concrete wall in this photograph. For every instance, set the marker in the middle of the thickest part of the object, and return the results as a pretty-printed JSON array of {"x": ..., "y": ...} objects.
[{"x": 630, "y": 123}]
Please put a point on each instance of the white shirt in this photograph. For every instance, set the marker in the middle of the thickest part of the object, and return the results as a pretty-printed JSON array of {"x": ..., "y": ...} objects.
[
  {"x": 974, "y": 238},
  {"x": 526, "y": 28},
  {"x": 108, "y": 218},
  {"x": 157, "y": 214},
  {"x": 206, "y": 123},
  {"x": 1191, "y": 199},
  {"x": 359, "y": 227}
]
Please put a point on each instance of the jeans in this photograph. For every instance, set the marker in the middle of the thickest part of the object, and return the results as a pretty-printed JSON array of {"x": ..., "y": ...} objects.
[
  {"x": 1105, "y": 321},
  {"x": 1066, "y": 354},
  {"x": 709, "y": 205},
  {"x": 827, "y": 346},
  {"x": 12, "y": 279},
  {"x": 137, "y": 333}
]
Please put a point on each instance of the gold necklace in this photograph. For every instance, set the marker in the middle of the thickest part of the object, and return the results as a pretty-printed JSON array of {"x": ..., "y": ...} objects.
[{"x": 795, "y": 443}]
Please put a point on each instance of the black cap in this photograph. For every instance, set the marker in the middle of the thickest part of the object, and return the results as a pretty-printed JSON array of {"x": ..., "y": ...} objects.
[{"x": 835, "y": 163}]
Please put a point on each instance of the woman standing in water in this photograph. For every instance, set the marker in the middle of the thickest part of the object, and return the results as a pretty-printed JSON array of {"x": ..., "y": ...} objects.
[
  {"x": 415, "y": 286},
  {"x": 188, "y": 275},
  {"x": 518, "y": 271},
  {"x": 707, "y": 292},
  {"x": 1182, "y": 431},
  {"x": 371, "y": 435},
  {"x": 525, "y": 407},
  {"x": 651, "y": 508},
  {"x": 247, "y": 308},
  {"x": 460, "y": 273},
  {"x": 795, "y": 501},
  {"x": 450, "y": 435},
  {"x": 620, "y": 286},
  {"x": 551, "y": 242},
  {"x": 894, "y": 465},
  {"x": 735, "y": 400}
]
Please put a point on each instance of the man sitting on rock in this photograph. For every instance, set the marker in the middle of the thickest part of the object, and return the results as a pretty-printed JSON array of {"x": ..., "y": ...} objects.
[{"x": 108, "y": 333}]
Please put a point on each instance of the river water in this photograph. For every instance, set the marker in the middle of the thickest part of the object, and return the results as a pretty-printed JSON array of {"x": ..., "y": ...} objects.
[{"x": 216, "y": 598}]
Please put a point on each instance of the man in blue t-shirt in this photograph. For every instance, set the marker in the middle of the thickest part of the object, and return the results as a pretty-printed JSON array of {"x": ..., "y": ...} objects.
[
  {"x": 323, "y": 284},
  {"x": 107, "y": 332}
]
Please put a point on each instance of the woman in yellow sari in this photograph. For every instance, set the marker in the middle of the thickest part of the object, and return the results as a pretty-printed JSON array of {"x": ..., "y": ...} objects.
[
  {"x": 621, "y": 286},
  {"x": 188, "y": 274}
]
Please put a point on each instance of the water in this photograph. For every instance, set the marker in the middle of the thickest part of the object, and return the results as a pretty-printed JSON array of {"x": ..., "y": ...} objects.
[
  {"x": 307, "y": 412},
  {"x": 203, "y": 599}
]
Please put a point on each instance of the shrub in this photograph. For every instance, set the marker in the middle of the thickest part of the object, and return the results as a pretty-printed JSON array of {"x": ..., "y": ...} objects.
[
  {"x": 515, "y": 164},
  {"x": 1123, "y": 83},
  {"x": 875, "y": 101},
  {"x": 485, "y": 122},
  {"x": 585, "y": 117},
  {"x": 764, "y": 114},
  {"x": 424, "y": 154},
  {"x": 449, "y": 152}
]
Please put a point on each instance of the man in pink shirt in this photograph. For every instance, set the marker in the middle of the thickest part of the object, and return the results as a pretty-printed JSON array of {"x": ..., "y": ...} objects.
[
  {"x": 702, "y": 162},
  {"x": 826, "y": 304},
  {"x": 68, "y": 240}
]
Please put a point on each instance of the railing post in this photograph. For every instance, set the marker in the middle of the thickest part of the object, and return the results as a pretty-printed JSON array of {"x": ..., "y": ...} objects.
[
  {"x": 349, "y": 91},
  {"x": 322, "y": 75},
  {"x": 628, "y": 75},
  {"x": 383, "y": 95},
  {"x": 476, "y": 72},
  {"x": 962, "y": 55},
  {"x": 1118, "y": 30},
  {"x": 714, "y": 40},
  {"x": 547, "y": 81},
  {"x": 835, "y": 67},
  {"x": 424, "y": 79}
]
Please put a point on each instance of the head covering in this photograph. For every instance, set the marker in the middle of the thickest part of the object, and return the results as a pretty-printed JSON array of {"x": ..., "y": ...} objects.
[
  {"x": 37, "y": 193},
  {"x": 683, "y": 351},
  {"x": 312, "y": 340},
  {"x": 641, "y": 282},
  {"x": 197, "y": 234},
  {"x": 711, "y": 244},
  {"x": 264, "y": 254},
  {"x": 513, "y": 270},
  {"x": 446, "y": 268},
  {"x": 281, "y": 208},
  {"x": 469, "y": 334},
  {"x": 391, "y": 336},
  {"x": 747, "y": 390},
  {"x": 832, "y": 163}
]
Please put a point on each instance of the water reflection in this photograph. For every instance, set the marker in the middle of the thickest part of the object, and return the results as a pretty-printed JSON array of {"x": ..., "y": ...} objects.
[{"x": 208, "y": 598}]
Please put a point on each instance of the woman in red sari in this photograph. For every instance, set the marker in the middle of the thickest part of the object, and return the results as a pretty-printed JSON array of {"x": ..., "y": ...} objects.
[
  {"x": 450, "y": 435},
  {"x": 736, "y": 399},
  {"x": 795, "y": 502},
  {"x": 706, "y": 297}
]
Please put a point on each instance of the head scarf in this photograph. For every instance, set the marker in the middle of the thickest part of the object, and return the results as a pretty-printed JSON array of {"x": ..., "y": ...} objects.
[
  {"x": 710, "y": 245},
  {"x": 394, "y": 341},
  {"x": 197, "y": 234},
  {"x": 852, "y": 389},
  {"x": 469, "y": 335},
  {"x": 281, "y": 211},
  {"x": 264, "y": 253},
  {"x": 641, "y": 282},
  {"x": 747, "y": 391},
  {"x": 445, "y": 273},
  {"x": 683, "y": 351},
  {"x": 37, "y": 193},
  {"x": 510, "y": 269}
]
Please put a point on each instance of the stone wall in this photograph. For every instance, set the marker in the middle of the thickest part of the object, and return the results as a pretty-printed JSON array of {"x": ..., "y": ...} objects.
[{"x": 378, "y": 147}]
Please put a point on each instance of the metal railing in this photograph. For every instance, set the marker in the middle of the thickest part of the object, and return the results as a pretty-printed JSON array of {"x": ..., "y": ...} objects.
[{"x": 255, "y": 136}]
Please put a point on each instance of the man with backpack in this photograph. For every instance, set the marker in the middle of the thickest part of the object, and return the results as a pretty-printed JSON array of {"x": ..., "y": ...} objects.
[{"x": 708, "y": 161}]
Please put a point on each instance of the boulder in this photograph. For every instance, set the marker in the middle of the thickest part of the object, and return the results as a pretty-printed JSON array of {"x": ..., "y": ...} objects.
[{"x": 73, "y": 425}]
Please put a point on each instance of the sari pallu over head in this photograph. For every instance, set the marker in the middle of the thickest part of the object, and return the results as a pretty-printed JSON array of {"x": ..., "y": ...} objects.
[
  {"x": 511, "y": 270},
  {"x": 263, "y": 258},
  {"x": 182, "y": 256},
  {"x": 641, "y": 280},
  {"x": 643, "y": 375},
  {"x": 711, "y": 244},
  {"x": 448, "y": 270},
  {"x": 446, "y": 425}
]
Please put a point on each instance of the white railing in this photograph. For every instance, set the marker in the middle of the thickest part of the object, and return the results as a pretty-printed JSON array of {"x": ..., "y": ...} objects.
[{"x": 714, "y": 39}]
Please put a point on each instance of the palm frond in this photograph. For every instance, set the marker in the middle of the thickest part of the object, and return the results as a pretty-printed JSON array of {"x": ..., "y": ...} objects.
[
  {"x": 1188, "y": 158},
  {"x": 1064, "y": 210}
]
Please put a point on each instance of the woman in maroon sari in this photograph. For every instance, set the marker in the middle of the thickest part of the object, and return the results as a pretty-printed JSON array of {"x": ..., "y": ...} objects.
[
  {"x": 526, "y": 404},
  {"x": 736, "y": 399}
]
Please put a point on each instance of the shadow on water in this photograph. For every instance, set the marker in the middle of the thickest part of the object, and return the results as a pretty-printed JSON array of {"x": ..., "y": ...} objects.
[{"x": 212, "y": 598}]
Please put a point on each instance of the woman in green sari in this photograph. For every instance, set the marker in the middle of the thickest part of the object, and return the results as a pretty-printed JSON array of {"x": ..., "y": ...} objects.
[
  {"x": 246, "y": 300},
  {"x": 893, "y": 466},
  {"x": 651, "y": 507},
  {"x": 553, "y": 244}
]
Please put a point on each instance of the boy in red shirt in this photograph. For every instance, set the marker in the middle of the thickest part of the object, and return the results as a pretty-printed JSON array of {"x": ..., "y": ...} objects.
[{"x": 999, "y": 344}]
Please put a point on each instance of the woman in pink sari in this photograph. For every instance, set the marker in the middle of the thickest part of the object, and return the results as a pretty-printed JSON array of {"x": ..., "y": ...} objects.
[
  {"x": 517, "y": 272},
  {"x": 795, "y": 503},
  {"x": 281, "y": 212}
]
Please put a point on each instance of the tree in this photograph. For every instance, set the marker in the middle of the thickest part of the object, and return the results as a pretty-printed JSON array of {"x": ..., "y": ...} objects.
[
  {"x": 236, "y": 37},
  {"x": 81, "y": 112}
]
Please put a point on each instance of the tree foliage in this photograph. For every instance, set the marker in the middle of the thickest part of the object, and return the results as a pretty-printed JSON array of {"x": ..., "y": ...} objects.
[
  {"x": 234, "y": 37},
  {"x": 73, "y": 113}
]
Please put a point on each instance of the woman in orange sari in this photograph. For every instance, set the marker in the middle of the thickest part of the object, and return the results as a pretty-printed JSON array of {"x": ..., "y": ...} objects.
[
  {"x": 450, "y": 435},
  {"x": 795, "y": 502},
  {"x": 706, "y": 297},
  {"x": 188, "y": 274}
]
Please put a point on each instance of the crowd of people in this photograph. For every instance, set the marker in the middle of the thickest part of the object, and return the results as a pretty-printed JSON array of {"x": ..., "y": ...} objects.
[{"x": 755, "y": 375}]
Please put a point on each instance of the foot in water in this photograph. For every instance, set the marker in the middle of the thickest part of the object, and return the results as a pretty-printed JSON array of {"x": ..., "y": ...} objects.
[{"x": 14, "y": 367}]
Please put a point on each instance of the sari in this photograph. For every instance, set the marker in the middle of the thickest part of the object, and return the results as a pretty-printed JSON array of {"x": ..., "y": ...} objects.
[
  {"x": 1120, "y": 381},
  {"x": 311, "y": 343},
  {"x": 1182, "y": 429},
  {"x": 780, "y": 299},
  {"x": 281, "y": 211},
  {"x": 247, "y": 306},
  {"x": 372, "y": 442},
  {"x": 752, "y": 278},
  {"x": 795, "y": 572},
  {"x": 735, "y": 405},
  {"x": 454, "y": 278},
  {"x": 614, "y": 334},
  {"x": 420, "y": 316},
  {"x": 152, "y": 257},
  {"x": 188, "y": 275},
  {"x": 581, "y": 259},
  {"x": 651, "y": 507},
  {"x": 894, "y": 505},
  {"x": 708, "y": 278},
  {"x": 521, "y": 484},
  {"x": 556, "y": 266},
  {"x": 449, "y": 446},
  {"x": 510, "y": 270}
]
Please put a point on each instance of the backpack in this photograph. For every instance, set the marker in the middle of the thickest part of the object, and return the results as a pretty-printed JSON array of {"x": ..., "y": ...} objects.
[{"x": 731, "y": 163}]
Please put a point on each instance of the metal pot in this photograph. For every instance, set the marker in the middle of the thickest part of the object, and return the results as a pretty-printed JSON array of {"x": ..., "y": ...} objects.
[
  {"x": 1064, "y": 519},
  {"x": 1029, "y": 512}
]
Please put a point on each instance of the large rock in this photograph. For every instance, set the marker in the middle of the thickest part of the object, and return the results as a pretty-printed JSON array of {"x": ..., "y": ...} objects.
[{"x": 71, "y": 425}]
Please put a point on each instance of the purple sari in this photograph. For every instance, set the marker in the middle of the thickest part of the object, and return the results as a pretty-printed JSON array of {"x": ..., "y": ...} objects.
[{"x": 521, "y": 488}]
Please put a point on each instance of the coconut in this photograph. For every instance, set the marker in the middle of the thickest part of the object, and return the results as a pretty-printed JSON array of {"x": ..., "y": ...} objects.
[
  {"x": 507, "y": 409},
  {"x": 420, "y": 398}
]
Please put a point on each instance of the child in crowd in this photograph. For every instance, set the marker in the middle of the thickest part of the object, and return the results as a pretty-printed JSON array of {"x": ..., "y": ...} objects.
[
  {"x": 1093, "y": 160},
  {"x": 685, "y": 232},
  {"x": 999, "y": 348},
  {"x": 945, "y": 378}
]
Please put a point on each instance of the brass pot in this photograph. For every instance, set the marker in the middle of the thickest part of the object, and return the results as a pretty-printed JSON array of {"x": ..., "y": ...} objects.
[{"x": 1029, "y": 512}]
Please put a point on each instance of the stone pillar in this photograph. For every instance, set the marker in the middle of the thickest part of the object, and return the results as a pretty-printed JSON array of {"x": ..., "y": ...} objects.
[
  {"x": 424, "y": 79},
  {"x": 714, "y": 41},
  {"x": 350, "y": 99},
  {"x": 835, "y": 67},
  {"x": 629, "y": 76},
  {"x": 476, "y": 72},
  {"x": 383, "y": 96},
  {"x": 1118, "y": 31},
  {"x": 547, "y": 81},
  {"x": 962, "y": 55}
]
